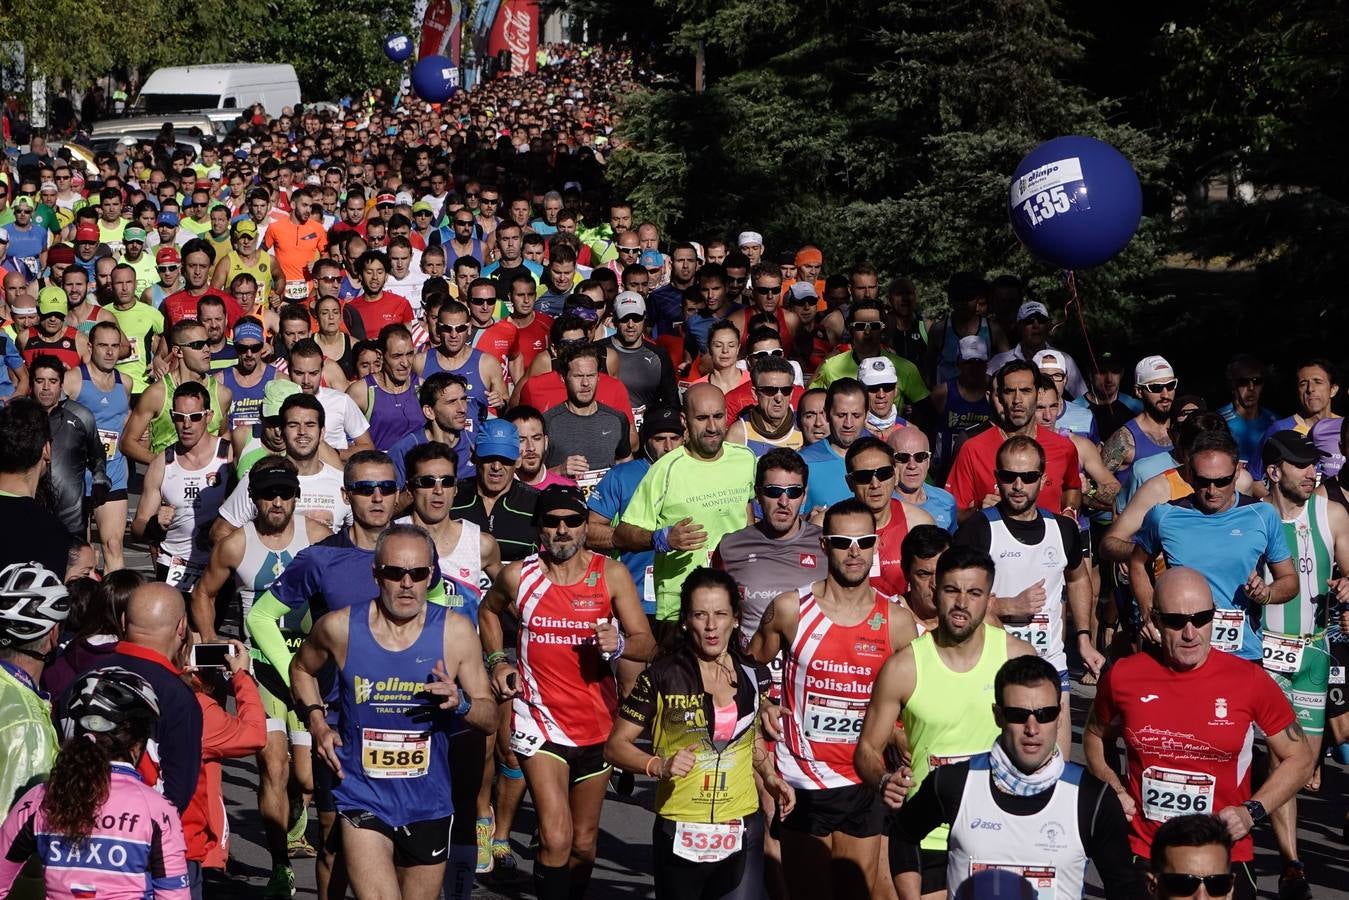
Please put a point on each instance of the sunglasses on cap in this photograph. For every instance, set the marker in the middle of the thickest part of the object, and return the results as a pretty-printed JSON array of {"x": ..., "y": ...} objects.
[
  {"x": 848, "y": 541},
  {"x": 398, "y": 573},
  {"x": 553, "y": 520},
  {"x": 1199, "y": 482},
  {"x": 866, "y": 476},
  {"x": 1158, "y": 387},
  {"x": 1019, "y": 715},
  {"x": 427, "y": 482},
  {"x": 368, "y": 488},
  {"x": 1178, "y": 621},
  {"x": 197, "y": 416},
  {"x": 1007, "y": 476},
  {"x": 1181, "y": 884},
  {"x": 776, "y": 491}
]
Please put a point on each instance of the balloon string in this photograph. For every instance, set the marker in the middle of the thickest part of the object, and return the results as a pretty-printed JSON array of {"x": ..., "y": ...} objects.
[{"x": 1075, "y": 304}]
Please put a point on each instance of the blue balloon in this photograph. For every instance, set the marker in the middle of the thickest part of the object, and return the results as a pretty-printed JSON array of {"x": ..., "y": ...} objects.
[
  {"x": 435, "y": 79},
  {"x": 1075, "y": 202},
  {"x": 397, "y": 47}
]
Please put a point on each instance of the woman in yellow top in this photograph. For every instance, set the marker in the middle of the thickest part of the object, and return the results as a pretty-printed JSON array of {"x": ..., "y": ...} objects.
[
  {"x": 699, "y": 704},
  {"x": 246, "y": 256}
]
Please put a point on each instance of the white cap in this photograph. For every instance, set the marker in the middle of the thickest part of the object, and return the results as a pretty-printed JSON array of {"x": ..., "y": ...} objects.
[
  {"x": 312, "y": 179},
  {"x": 749, "y": 237},
  {"x": 1050, "y": 361},
  {"x": 1031, "y": 308},
  {"x": 629, "y": 303},
  {"x": 877, "y": 370},
  {"x": 403, "y": 199},
  {"x": 1153, "y": 368},
  {"x": 971, "y": 347}
]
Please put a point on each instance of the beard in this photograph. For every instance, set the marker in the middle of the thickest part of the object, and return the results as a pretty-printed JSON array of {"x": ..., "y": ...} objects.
[{"x": 561, "y": 552}]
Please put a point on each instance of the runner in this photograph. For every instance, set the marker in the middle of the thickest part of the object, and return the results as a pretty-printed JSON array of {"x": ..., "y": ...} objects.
[
  {"x": 1145, "y": 434},
  {"x": 152, "y": 417},
  {"x": 913, "y": 460},
  {"x": 872, "y": 476},
  {"x": 296, "y": 241},
  {"x": 248, "y": 376},
  {"x": 769, "y": 422},
  {"x": 406, "y": 670},
  {"x": 77, "y": 454},
  {"x": 345, "y": 428},
  {"x": 388, "y": 398},
  {"x": 586, "y": 437},
  {"x": 564, "y": 696},
  {"x": 834, "y": 635},
  {"x": 454, "y": 354}
]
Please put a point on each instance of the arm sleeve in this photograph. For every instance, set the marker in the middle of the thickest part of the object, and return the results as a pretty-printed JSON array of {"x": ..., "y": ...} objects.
[
  {"x": 238, "y": 507},
  {"x": 228, "y": 737},
  {"x": 295, "y": 588},
  {"x": 639, "y": 707},
  {"x": 1105, "y": 837}
]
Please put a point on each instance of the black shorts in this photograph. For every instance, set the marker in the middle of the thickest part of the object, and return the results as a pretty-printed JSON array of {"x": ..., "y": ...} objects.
[
  {"x": 856, "y": 810},
  {"x": 415, "y": 844},
  {"x": 582, "y": 762},
  {"x": 930, "y": 864},
  {"x": 113, "y": 496},
  {"x": 1337, "y": 704}
]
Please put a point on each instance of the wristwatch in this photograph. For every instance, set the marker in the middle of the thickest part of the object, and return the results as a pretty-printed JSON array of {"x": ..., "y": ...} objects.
[
  {"x": 885, "y": 779},
  {"x": 1257, "y": 811}
]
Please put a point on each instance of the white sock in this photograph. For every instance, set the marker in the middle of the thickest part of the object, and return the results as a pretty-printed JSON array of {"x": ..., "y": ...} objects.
[{"x": 460, "y": 871}]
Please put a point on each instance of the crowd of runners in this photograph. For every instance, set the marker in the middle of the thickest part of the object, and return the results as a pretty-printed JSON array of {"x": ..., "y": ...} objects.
[{"x": 465, "y": 483}]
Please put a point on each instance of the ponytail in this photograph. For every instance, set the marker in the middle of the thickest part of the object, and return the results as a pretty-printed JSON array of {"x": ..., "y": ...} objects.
[{"x": 78, "y": 785}]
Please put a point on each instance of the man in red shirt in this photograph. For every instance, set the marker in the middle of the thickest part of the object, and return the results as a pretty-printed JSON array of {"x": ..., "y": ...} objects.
[
  {"x": 531, "y": 328},
  {"x": 198, "y": 258},
  {"x": 547, "y": 390},
  {"x": 1185, "y": 711},
  {"x": 376, "y": 306},
  {"x": 490, "y": 336},
  {"x": 971, "y": 481}
]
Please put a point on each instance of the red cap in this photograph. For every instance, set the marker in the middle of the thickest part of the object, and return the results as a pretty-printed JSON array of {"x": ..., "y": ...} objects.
[
  {"x": 167, "y": 255},
  {"x": 386, "y": 198},
  {"x": 87, "y": 232}
]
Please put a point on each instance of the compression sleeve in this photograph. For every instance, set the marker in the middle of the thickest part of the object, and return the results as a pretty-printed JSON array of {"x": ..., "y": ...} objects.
[
  {"x": 1105, "y": 837},
  {"x": 264, "y": 629}
]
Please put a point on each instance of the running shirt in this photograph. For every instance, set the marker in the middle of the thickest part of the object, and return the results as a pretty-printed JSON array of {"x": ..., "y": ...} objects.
[
  {"x": 1248, "y": 433},
  {"x": 296, "y": 246},
  {"x": 261, "y": 565},
  {"x": 609, "y": 498},
  {"x": 195, "y": 495},
  {"x": 320, "y": 499},
  {"x": 765, "y": 567},
  {"x": 246, "y": 402},
  {"x": 471, "y": 371},
  {"x": 887, "y": 573},
  {"x": 342, "y": 419},
  {"x": 395, "y": 750},
  {"x": 260, "y": 270},
  {"x": 495, "y": 340},
  {"x": 971, "y": 476},
  {"x": 1224, "y": 547},
  {"x": 1188, "y": 736},
  {"x": 465, "y": 581},
  {"x": 958, "y": 415},
  {"x": 63, "y": 347},
  {"x": 386, "y": 309},
  {"x": 826, "y": 682},
  {"x": 110, "y": 409},
  {"x": 1312, "y": 544},
  {"x": 647, "y": 374},
  {"x": 140, "y": 324},
  {"x": 162, "y": 432},
  {"x": 1144, "y": 447},
  {"x": 183, "y": 305},
  {"x": 392, "y": 417},
  {"x": 760, "y": 443},
  {"x": 567, "y": 692},
  {"x": 844, "y": 365}
]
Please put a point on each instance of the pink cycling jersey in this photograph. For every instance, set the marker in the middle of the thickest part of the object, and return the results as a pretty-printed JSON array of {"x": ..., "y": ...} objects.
[{"x": 134, "y": 851}]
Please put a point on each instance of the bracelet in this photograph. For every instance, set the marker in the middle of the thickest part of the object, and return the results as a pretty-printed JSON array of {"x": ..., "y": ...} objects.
[
  {"x": 618, "y": 651},
  {"x": 660, "y": 539},
  {"x": 494, "y": 659},
  {"x": 304, "y": 711},
  {"x": 1082, "y": 631},
  {"x": 465, "y": 704},
  {"x": 885, "y": 779},
  {"x": 658, "y": 761}
]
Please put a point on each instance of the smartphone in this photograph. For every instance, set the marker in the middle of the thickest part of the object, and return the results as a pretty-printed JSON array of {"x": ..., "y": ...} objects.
[{"x": 211, "y": 656}]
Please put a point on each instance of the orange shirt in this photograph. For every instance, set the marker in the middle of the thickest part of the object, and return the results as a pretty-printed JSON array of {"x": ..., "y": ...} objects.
[{"x": 296, "y": 246}]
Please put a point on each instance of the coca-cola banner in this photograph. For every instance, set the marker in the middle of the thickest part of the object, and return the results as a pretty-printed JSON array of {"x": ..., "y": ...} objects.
[
  {"x": 441, "y": 29},
  {"x": 516, "y": 29}
]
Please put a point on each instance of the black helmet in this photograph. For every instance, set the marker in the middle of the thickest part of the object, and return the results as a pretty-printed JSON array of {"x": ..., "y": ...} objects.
[{"x": 103, "y": 699}]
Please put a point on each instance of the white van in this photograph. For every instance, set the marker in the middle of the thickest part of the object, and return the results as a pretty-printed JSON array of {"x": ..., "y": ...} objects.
[{"x": 218, "y": 86}]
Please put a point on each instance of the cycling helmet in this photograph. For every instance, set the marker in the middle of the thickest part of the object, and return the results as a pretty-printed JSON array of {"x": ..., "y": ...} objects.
[
  {"x": 33, "y": 601},
  {"x": 103, "y": 699}
]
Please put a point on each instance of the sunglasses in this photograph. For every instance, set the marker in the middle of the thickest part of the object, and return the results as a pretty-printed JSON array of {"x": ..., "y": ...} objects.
[
  {"x": 1178, "y": 621},
  {"x": 398, "y": 573},
  {"x": 197, "y": 416},
  {"x": 767, "y": 291},
  {"x": 630, "y": 318},
  {"x": 482, "y": 301},
  {"x": 1007, "y": 476},
  {"x": 866, "y": 476},
  {"x": 629, "y": 249},
  {"x": 848, "y": 541},
  {"x": 772, "y": 390},
  {"x": 463, "y": 223},
  {"x": 571, "y": 520},
  {"x": 199, "y": 344},
  {"x": 492, "y": 200},
  {"x": 248, "y": 348},
  {"x": 166, "y": 268},
  {"x": 1198, "y": 482},
  {"x": 1180, "y": 884},
  {"x": 866, "y": 326},
  {"x": 1019, "y": 715},
  {"x": 776, "y": 491},
  {"x": 920, "y": 457},
  {"x": 53, "y": 315},
  {"x": 452, "y": 329},
  {"x": 427, "y": 482},
  {"x": 1158, "y": 387},
  {"x": 276, "y": 493},
  {"x": 368, "y": 488},
  {"x": 471, "y": 195},
  {"x": 760, "y": 354},
  {"x": 1252, "y": 381},
  {"x": 880, "y": 388}
]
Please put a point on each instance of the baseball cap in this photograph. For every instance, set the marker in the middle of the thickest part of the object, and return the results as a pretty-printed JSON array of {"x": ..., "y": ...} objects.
[
  {"x": 385, "y": 198},
  {"x": 133, "y": 233},
  {"x": 1031, "y": 308},
  {"x": 22, "y": 200},
  {"x": 276, "y": 392},
  {"x": 629, "y": 303},
  {"x": 877, "y": 370},
  {"x": 498, "y": 438},
  {"x": 4, "y": 237},
  {"x": 262, "y": 480},
  {"x": 52, "y": 300},
  {"x": 403, "y": 198},
  {"x": 747, "y": 238},
  {"x": 61, "y": 255},
  {"x": 661, "y": 420},
  {"x": 423, "y": 206},
  {"x": 87, "y": 232},
  {"x": 971, "y": 347},
  {"x": 167, "y": 255},
  {"x": 1153, "y": 368},
  {"x": 1289, "y": 446},
  {"x": 1109, "y": 361},
  {"x": 1050, "y": 361},
  {"x": 558, "y": 496},
  {"x": 168, "y": 217},
  {"x": 246, "y": 226},
  {"x": 247, "y": 328},
  {"x": 801, "y": 291},
  {"x": 651, "y": 259}
]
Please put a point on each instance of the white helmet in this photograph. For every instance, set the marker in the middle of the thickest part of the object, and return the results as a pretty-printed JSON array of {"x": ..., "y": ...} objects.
[{"x": 33, "y": 601}]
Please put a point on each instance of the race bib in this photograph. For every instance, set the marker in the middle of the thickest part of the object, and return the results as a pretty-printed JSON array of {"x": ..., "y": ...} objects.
[
  {"x": 297, "y": 290},
  {"x": 1168, "y": 793},
  {"x": 833, "y": 720},
  {"x": 525, "y": 743},
  {"x": 183, "y": 575},
  {"x": 1282, "y": 654},
  {"x": 135, "y": 354},
  {"x": 649, "y": 586},
  {"x": 109, "y": 441},
  {"x": 698, "y": 842},
  {"x": 1337, "y": 674},
  {"x": 587, "y": 480},
  {"x": 638, "y": 416},
  {"x": 1227, "y": 629},
  {"x": 1035, "y": 632},
  {"x": 1039, "y": 877},
  {"x": 395, "y": 754}
]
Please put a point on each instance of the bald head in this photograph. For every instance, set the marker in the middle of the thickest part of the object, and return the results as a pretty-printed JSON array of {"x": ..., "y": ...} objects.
[
  {"x": 909, "y": 439},
  {"x": 705, "y": 419},
  {"x": 156, "y": 617},
  {"x": 1182, "y": 590},
  {"x": 703, "y": 396},
  {"x": 14, "y": 281}
]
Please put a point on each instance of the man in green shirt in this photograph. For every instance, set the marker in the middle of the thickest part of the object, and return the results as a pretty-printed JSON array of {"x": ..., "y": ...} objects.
[
  {"x": 689, "y": 499},
  {"x": 866, "y": 330}
]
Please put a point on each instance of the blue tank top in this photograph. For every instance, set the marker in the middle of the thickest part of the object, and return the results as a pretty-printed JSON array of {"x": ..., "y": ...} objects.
[
  {"x": 470, "y": 371},
  {"x": 946, "y": 364},
  {"x": 395, "y": 749},
  {"x": 392, "y": 416},
  {"x": 110, "y": 409},
  {"x": 246, "y": 407},
  {"x": 958, "y": 415},
  {"x": 1144, "y": 447}
]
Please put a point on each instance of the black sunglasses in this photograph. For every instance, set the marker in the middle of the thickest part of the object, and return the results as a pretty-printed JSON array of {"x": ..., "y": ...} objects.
[
  {"x": 904, "y": 459},
  {"x": 398, "y": 573},
  {"x": 769, "y": 390},
  {"x": 368, "y": 488},
  {"x": 880, "y": 388},
  {"x": 427, "y": 482},
  {"x": 775, "y": 491},
  {"x": 571, "y": 520},
  {"x": 866, "y": 476},
  {"x": 767, "y": 291},
  {"x": 248, "y": 348},
  {"x": 276, "y": 493},
  {"x": 1199, "y": 481},
  {"x": 632, "y": 317},
  {"x": 1181, "y": 884},
  {"x": 1252, "y": 381},
  {"x": 1178, "y": 621},
  {"x": 1019, "y": 715},
  {"x": 194, "y": 345},
  {"x": 1007, "y": 476}
]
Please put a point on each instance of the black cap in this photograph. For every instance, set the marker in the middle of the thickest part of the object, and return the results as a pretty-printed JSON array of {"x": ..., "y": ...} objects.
[
  {"x": 264, "y": 479},
  {"x": 559, "y": 496},
  {"x": 1110, "y": 361},
  {"x": 661, "y": 420},
  {"x": 1289, "y": 446}
]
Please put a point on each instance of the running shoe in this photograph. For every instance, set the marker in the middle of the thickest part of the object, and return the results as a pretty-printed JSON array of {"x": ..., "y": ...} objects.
[
  {"x": 505, "y": 866},
  {"x": 484, "y": 829},
  {"x": 1293, "y": 883},
  {"x": 282, "y": 884}
]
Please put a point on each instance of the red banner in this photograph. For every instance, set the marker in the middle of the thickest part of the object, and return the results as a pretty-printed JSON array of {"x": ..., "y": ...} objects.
[
  {"x": 516, "y": 29},
  {"x": 441, "y": 29}
]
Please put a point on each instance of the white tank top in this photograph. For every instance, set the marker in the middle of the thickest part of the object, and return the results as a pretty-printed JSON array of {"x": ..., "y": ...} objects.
[
  {"x": 464, "y": 561},
  {"x": 1045, "y": 848},
  {"x": 261, "y": 564},
  {"x": 195, "y": 495},
  {"x": 1021, "y": 565}
]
